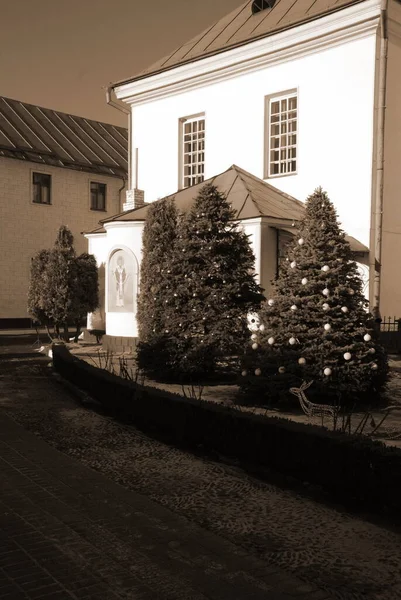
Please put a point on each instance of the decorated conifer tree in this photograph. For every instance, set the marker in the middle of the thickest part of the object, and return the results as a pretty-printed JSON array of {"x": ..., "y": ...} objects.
[
  {"x": 315, "y": 324},
  {"x": 157, "y": 246},
  {"x": 212, "y": 287}
]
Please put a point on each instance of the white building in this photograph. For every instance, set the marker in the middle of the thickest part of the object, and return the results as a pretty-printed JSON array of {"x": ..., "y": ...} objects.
[{"x": 298, "y": 94}]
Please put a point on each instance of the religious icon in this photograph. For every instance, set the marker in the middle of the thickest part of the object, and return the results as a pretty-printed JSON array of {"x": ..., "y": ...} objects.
[{"x": 120, "y": 275}]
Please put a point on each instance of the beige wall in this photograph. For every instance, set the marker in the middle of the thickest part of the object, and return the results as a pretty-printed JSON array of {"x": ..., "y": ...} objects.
[
  {"x": 26, "y": 228},
  {"x": 391, "y": 246}
]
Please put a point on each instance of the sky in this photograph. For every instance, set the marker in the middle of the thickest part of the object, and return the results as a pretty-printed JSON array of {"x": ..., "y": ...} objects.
[{"x": 60, "y": 53}]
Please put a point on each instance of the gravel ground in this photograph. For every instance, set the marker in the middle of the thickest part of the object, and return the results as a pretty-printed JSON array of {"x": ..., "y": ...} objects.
[{"x": 352, "y": 558}]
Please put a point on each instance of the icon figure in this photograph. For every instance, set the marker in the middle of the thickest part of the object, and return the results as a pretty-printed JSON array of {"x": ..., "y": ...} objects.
[{"x": 121, "y": 276}]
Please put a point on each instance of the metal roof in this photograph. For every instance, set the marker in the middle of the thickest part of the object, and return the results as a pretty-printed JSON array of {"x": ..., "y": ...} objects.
[
  {"x": 241, "y": 27},
  {"x": 41, "y": 135},
  {"x": 249, "y": 196}
]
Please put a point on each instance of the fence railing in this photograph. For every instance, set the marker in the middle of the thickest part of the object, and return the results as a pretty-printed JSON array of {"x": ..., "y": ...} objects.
[{"x": 390, "y": 334}]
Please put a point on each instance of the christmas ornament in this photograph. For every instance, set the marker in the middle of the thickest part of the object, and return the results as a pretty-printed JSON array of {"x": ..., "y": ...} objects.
[
  {"x": 327, "y": 326},
  {"x": 281, "y": 370},
  {"x": 294, "y": 307},
  {"x": 293, "y": 264},
  {"x": 254, "y": 336},
  {"x": 374, "y": 366},
  {"x": 325, "y": 306},
  {"x": 301, "y": 241},
  {"x": 304, "y": 281},
  {"x": 372, "y": 350},
  {"x": 327, "y": 371},
  {"x": 347, "y": 356},
  {"x": 255, "y": 346},
  {"x": 270, "y": 302},
  {"x": 270, "y": 341},
  {"x": 344, "y": 309},
  {"x": 301, "y": 361},
  {"x": 244, "y": 373},
  {"x": 351, "y": 291},
  {"x": 367, "y": 337},
  {"x": 292, "y": 341},
  {"x": 325, "y": 292},
  {"x": 258, "y": 372},
  {"x": 262, "y": 327},
  {"x": 166, "y": 331},
  {"x": 326, "y": 268}
]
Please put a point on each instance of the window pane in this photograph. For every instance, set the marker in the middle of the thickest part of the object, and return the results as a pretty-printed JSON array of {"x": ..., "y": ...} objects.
[
  {"x": 282, "y": 121},
  {"x": 275, "y": 107},
  {"x": 193, "y": 141}
]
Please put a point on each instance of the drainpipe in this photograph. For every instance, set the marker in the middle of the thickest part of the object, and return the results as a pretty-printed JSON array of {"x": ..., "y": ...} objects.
[
  {"x": 121, "y": 107},
  {"x": 376, "y": 259}
]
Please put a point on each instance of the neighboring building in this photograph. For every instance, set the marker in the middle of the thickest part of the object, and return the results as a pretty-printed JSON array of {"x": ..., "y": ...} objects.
[
  {"x": 55, "y": 169},
  {"x": 295, "y": 93}
]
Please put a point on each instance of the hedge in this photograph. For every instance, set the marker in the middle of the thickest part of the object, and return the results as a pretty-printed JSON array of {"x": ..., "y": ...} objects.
[{"x": 352, "y": 469}]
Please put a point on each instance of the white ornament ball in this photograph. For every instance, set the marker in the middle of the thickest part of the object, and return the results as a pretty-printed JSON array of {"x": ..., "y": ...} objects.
[
  {"x": 347, "y": 356},
  {"x": 301, "y": 241},
  {"x": 262, "y": 327},
  {"x": 254, "y": 336},
  {"x": 292, "y": 341},
  {"x": 294, "y": 307},
  {"x": 351, "y": 292},
  {"x": 325, "y": 292},
  {"x": 327, "y": 371},
  {"x": 372, "y": 350},
  {"x": 270, "y": 341},
  {"x": 258, "y": 372},
  {"x": 344, "y": 309},
  {"x": 327, "y": 326},
  {"x": 255, "y": 346},
  {"x": 244, "y": 373},
  {"x": 374, "y": 367},
  {"x": 281, "y": 370},
  {"x": 270, "y": 302},
  {"x": 293, "y": 264},
  {"x": 326, "y": 268},
  {"x": 325, "y": 306},
  {"x": 367, "y": 337},
  {"x": 301, "y": 361},
  {"x": 304, "y": 281}
]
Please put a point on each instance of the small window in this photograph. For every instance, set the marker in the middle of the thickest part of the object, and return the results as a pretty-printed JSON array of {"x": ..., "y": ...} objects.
[
  {"x": 98, "y": 196},
  {"x": 281, "y": 136},
  {"x": 192, "y": 151},
  {"x": 259, "y": 5},
  {"x": 41, "y": 184}
]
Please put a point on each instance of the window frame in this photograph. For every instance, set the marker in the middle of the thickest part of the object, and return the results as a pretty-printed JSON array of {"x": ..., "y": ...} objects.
[
  {"x": 284, "y": 95},
  {"x": 98, "y": 183},
  {"x": 33, "y": 172},
  {"x": 181, "y": 153}
]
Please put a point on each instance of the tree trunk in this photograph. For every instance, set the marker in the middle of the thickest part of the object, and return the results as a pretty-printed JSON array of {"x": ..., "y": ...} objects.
[
  {"x": 78, "y": 331},
  {"x": 66, "y": 338}
]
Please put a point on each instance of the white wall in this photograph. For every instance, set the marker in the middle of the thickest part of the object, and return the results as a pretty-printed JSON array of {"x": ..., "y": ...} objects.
[{"x": 336, "y": 94}]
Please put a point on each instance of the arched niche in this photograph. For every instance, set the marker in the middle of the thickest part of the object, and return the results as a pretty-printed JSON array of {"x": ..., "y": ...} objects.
[{"x": 121, "y": 281}]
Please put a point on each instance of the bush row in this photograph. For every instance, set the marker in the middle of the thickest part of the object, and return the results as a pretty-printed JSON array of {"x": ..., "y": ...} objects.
[{"x": 351, "y": 469}]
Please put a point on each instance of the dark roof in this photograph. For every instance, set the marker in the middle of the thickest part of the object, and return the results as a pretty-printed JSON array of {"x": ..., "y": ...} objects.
[
  {"x": 54, "y": 138},
  {"x": 241, "y": 27},
  {"x": 248, "y": 195}
]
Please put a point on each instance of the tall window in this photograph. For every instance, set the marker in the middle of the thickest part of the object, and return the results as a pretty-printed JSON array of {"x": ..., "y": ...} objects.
[
  {"x": 41, "y": 184},
  {"x": 193, "y": 150},
  {"x": 98, "y": 196},
  {"x": 282, "y": 135}
]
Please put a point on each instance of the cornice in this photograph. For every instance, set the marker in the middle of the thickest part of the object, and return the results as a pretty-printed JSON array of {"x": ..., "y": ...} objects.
[
  {"x": 352, "y": 23},
  {"x": 122, "y": 224}
]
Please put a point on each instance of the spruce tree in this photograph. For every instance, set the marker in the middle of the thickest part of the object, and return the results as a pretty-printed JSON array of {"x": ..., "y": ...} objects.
[
  {"x": 211, "y": 288},
  {"x": 38, "y": 306},
  {"x": 158, "y": 241},
  {"x": 84, "y": 289},
  {"x": 315, "y": 324}
]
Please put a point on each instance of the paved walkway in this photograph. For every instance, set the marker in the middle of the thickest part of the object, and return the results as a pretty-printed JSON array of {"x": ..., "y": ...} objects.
[{"x": 68, "y": 532}]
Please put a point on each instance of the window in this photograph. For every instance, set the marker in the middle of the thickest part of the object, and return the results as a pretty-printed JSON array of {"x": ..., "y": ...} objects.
[
  {"x": 98, "y": 196},
  {"x": 282, "y": 135},
  {"x": 259, "y": 5},
  {"x": 193, "y": 151},
  {"x": 41, "y": 184}
]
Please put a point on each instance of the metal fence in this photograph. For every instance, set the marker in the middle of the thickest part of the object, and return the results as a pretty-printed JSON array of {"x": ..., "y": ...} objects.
[{"x": 390, "y": 334}]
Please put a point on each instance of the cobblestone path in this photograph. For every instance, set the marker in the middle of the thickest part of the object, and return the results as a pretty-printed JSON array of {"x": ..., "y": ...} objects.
[{"x": 350, "y": 558}]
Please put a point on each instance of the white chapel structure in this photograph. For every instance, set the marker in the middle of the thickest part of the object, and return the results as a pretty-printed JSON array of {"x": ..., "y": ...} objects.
[{"x": 272, "y": 101}]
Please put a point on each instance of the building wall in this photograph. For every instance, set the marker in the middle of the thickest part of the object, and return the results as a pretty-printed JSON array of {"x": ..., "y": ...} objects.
[
  {"x": 26, "y": 227},
  {"x": 336, "y": 98},
  {"x": 391, "y": 244}
]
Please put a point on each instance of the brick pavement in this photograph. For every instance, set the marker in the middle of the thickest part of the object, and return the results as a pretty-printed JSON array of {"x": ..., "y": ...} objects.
[{"x": 68, "y": 532}]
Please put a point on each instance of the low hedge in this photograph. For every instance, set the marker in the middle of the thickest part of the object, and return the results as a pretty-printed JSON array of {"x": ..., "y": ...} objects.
[{"x": 352, "y": 469}]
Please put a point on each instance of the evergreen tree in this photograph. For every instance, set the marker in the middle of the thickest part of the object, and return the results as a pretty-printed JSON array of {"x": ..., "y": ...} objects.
[
  {"x": 158, "y": 241},
  {"x": 84, "y": 289},
  {"x": 37, "y": 293},
  {"x": 211, "y": 288},
  {"x": 316, "y": 326}
]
